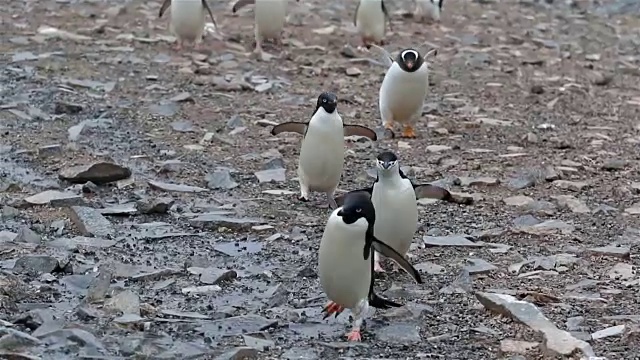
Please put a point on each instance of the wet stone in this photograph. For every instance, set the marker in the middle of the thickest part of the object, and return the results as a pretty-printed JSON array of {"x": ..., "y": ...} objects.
[
  {"x": 399, "y": 333},
  {"x": 98, "y": 173},
  {"x": 220, "y": 179},
  {"x": 159, "y": 205},
  {"x": 90, "y": 222},
  {"x": 37, "y": 264},
  {"x": 27, "y": 235},
  {"x": 275, "y": 175},
  {"x": 55, "y": 198}
]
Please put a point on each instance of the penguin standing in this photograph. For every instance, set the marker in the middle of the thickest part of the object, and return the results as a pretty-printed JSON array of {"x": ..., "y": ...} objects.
[
  {"x": 394, "y": 198},
  {"x": 270, "y": 16},
  {"x": 345, "y": 261},
  {"x": 322, "y": 151},
  {"x": 370, "y": 20},
  {"x": 428, "y": 9},
  {"x": 404, "y": 89},
  {"x": 187, "y": 20}
]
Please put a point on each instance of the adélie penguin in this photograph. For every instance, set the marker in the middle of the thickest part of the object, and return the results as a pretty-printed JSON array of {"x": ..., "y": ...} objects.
[
  {"x": 322, "y": 151},
  {"x": 394, "y": 197},
  {"x": 371, "y": 19},
  {"x": 270, "y": 16},
  {"x": 187, "y": 20},
  {"x": 428, "y": 9},
  {"x": 345, "y": 261},
  {"x": 404, "y": 89}
]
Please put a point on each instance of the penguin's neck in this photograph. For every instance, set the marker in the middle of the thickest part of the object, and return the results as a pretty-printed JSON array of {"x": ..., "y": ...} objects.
[
  {"x": 323, "y": 120},
  {"x": 390, "y": 177}
]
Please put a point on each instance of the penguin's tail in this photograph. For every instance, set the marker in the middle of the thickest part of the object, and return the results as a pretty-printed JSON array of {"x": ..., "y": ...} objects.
[{"x": 381, "y": 303}]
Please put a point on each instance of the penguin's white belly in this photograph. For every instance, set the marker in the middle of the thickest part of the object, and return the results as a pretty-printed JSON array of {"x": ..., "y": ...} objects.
[
  {"x": 370, "y": 21},
  {"x": 396, "y": 217},
  {"x": 270, "y": 16},
  {"x": 344, "y": 274},
  {"x": 402, "y": 94},
  {"x": 321, "y": 160},
  {"x": 187, "y": 19}
]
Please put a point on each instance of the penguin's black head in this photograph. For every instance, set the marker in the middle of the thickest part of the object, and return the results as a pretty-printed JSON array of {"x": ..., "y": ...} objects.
[
  {"x": 357, "y": 205},
  {"x": 409, "y": 60},
  {"x": 387, "y": 160},
  {"x": 328, "y": 101}
]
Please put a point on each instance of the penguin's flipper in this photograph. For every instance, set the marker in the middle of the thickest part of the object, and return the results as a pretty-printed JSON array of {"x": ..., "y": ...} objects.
[
  {"x": 241, "y": 3},
  {"x": 340, "y": 198},
  {"x": 387, "y": 59},
  {"x": 358, "y": 130},
  {"x": 355, "y": 14},
  {"x": 164, "y": 7},
  {"x": 386, "y": 14},
  {"x": 389, "y": 252},
  {"x": 431, "y": 192},
  {"x": 206, "y": 6},
  {"x": 381, "y": 303},
  {"x": 292, "y": 126}
]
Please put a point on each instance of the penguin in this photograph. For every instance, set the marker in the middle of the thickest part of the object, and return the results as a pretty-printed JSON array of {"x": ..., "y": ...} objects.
[
  {"x": 394, "y": 196},
  {"x": 404, "y": 89},
  {"x": 322, "y": 151},
  {"x": 370, "y": 20},
  {"x": 428, "y": 9},
  {"x": 187, "y": 20},
  {"x": 270, "y": 16},
  {"x": 345, "y": 261}
]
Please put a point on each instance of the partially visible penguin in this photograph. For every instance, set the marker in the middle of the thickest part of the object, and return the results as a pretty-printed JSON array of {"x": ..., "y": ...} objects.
[
  {"x": 428, "y": 9},
  {"x": 187, "y": 20},
  {"x": 394, "y": 197},
  {"x": 371, "y": 19},
  {"x": 270, "y": 16},
  {"x": 322, "y": 151},
  {"x": 345, "y": 261},
  {"x": 404, "y": 89}
]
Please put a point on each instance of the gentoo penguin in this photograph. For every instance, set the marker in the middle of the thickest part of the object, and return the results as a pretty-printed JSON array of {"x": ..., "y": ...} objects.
[
  {"x": 187, "y": 19},
  {"x": 428, "y": 9},
  {"x": 394, "y": 196},
  {"x": 322, "y": 152},
  {"x": 370, "y": 20},
  {"x": 270, "y": 17},
  {"x": 404, "y": 89},
  {"x": 345, "y": 262}
]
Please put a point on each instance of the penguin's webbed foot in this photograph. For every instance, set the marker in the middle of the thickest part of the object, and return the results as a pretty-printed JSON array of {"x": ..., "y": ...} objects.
[
  {"x": 303, "y": 198},
  {"x": 178, "y": 45},
  {"x": 354, "y": 335},
  {"x": 378, "y": 268},
  {"x": 331, "y": 201},
  {"x": 409, "y": 132},
  {"x": 332, "y": 308}
]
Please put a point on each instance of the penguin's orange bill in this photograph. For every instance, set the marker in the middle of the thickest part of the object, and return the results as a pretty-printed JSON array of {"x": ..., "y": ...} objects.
[{"x": 409, "y": 65}]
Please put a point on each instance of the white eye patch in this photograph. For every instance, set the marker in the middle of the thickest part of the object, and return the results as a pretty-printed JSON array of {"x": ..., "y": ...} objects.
[{"x": 413, "y": 52}]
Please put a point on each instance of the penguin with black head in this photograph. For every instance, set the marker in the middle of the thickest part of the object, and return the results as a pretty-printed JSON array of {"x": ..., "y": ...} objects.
[{"x": 345, "y": 261}]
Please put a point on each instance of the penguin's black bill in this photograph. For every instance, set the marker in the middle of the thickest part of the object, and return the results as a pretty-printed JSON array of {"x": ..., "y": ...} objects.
[
  {"x": 387, "y": 165},
  {"x": 340, "y": 213}
]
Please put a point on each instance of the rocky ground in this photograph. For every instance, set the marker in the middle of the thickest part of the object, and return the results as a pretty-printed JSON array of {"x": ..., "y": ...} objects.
[{"x": 148, "y": 213}]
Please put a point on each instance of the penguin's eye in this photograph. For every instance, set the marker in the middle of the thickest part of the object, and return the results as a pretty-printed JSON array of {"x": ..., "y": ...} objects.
[
  {"x": 324, "y": 100},
  {"x": 394, "y": 163},
  {"x": 358, "y": 210}
]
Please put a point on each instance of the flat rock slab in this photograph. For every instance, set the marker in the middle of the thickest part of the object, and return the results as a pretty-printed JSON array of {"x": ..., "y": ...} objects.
[
  {"x": 81, "y": 241},
  {"x": 216, "y": 221},
  {"x": 90, "y": 222},
  {"x": 451, "y": 240},
  {"x": 479, "y": 266},
  {"x": 55, "y": 198},
  {"x": 236, "y": 325},
  {"x": 622, "y": 252},
  {"x": 169, "y": 187},
  {"x": 556, "y": 342},
  {"x": 98, "y": 173}
]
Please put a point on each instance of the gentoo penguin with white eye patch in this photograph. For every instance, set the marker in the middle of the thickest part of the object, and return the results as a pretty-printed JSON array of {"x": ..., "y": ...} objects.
[
  {"x": 345, "y": 262},
  {"x": 404, "y": 89},
  {"x": 428, "y": 9},
  {"x": 270, "y": 16},
  {"x": 394, "y": 197},
  {"x": 187, "y": 20},
  {"x": 370, "y": 20},
  {"x": 322, "y": 152}
]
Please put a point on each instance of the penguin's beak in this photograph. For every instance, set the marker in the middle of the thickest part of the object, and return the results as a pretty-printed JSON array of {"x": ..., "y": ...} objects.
[
  {"x": 386, "y": 165},
  {"x": 340, "y": 213},
  {"x": 409, "y": 65}
]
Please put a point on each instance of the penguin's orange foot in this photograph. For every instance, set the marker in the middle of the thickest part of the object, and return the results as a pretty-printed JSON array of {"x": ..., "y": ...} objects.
[
  {"x": 354, "y": 335},
  {"x": 408, "y": 132},
  {"x": 197, "y": 46},
  {"x": 332, "y": 308},
  {"x": 388, "y": 125}
]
